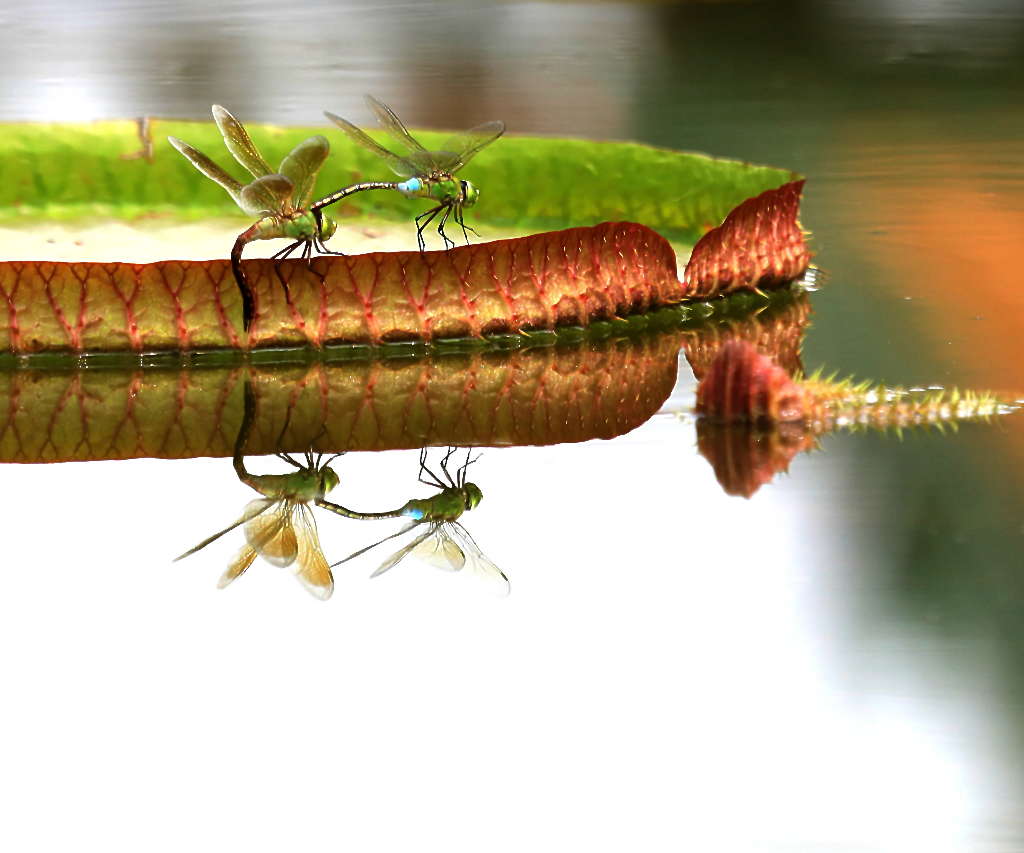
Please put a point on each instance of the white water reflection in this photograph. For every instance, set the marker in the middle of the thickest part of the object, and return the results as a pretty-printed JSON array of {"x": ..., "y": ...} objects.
[{"x": 674, "y": 668}]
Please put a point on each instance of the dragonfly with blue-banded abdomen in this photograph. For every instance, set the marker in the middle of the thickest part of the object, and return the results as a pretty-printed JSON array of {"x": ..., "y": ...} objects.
[
  {"x": 441, "y": 539},
  {"x": 426, "y": 174}
]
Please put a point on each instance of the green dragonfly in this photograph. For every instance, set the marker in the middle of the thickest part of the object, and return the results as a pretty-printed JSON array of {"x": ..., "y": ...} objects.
[
  {"x": 280, "y": 199},
  {"x": 443, "y": 541},
  {"x": 279, "y": 526},
  {"x": 427, "y": 174}
]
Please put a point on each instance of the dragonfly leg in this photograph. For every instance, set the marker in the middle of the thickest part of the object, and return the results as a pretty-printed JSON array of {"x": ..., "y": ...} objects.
[
  {"x": 330, "y": 458},
  {"x": 461, "y": 476},
  {"x": 248, "y": 307},
  {"x": 433, "y": 481},
  {"x": 286, "y": 251},
  {"x": 277, "y": 271},
  {"x": 427, "y": 217},
  {"x": 283, "y": 254},
  {"x": 460, "y": 219},
  {"x": 448, "y": 243},
  {"x": 444, "y": 465},
  {"x": 425, "y": 469}
]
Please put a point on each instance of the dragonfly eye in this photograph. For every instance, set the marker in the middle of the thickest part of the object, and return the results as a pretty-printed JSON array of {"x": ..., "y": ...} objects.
[
  {"x": 328, "y": 479},
  {"x": 472, "y": 495},
  {"x": 469, "y": 194}
]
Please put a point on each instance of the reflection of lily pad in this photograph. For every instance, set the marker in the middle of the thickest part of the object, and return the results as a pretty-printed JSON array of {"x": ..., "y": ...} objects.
[
  {"x": 81, "y": 170},
  {"x": 576, "y": 385}
]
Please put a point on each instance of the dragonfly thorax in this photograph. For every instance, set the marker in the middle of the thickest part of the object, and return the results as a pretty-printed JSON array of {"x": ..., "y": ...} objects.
[
  {"x": 439, "y": 186},
  {"x": 303, "y": 486},
  {"x": 446, "y": 505},
  {"x": 301, "y": 225}
]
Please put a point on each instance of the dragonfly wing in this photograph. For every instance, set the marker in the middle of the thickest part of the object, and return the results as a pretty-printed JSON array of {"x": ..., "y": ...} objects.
[
  {"x": 399, "y": 165},
  {"x": 269, "y": 194},
  {"x": 479, "y": 563},
  {"x": 205, "y": 165},
  {"x": 236, "y": 568},
  {"x": 252, "y": 509},
  {"x": 462, "y": 148},
  {"x": 363, "y": 550},
  {"x": 272, "y": 535},
  {"x": 237, "y": 140},
  {"x": 301, "y": 167},
  {"x": 310, "y": 564},
  {"x": 441, "y": 551},
  {"x": 403, "y": 552},
  {"x": 431, "y": 161},
  {"x": 393, "y": 125}
]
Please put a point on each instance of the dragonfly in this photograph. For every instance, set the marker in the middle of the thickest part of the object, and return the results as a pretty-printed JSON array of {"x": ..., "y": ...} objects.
[
  {"x": 441, "y": 540},
  {"x": 426, "y": 174},
  {"x": 279, "y": 526},
  {"x": 280, "y": 200}
]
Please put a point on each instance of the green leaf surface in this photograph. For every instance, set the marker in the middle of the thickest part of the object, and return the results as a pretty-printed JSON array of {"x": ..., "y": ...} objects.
[{"x": 82, "y": 171}]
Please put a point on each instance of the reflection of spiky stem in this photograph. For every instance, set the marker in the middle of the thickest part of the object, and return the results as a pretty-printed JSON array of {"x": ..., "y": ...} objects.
[
  {"x": 756, "y": 418},
  {"x": 744, "y": 386},
  {"x": 848, "y": 404}
]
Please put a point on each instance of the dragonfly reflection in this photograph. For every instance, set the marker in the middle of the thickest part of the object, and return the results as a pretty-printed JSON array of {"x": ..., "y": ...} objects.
[
  {"x": 280, "y": 527},
  {"x": 441, "y": 539}
]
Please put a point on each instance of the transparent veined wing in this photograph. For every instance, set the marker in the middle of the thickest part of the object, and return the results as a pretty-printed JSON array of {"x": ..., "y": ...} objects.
[
  {"x": 272, "y": 535},
  {"x": 301, "y": 167},
  {"x": 393, "y": 125},
  {"x": 269, "y": 194},
  {"x": 236, "y": 568},
  {"x": 441, "y": 551},
  {"x": 237, "y": 140},
  {"x": 251, "y": 511},
  {"x": 370, "y": 547},
  {"x": 478, "y": 563},
  {"x": 460, "y": 149},
  {"x": 205, "y": 165},
  {"x": 404, "y": 551},
  {"x": 310, "y": 565},
  {"x": 431, "y": 161},
  {"x": 399, "y": 165}
]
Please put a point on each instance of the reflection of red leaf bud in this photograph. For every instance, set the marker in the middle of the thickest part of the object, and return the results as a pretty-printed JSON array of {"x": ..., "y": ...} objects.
[
  {"x": 744, "y": 386},
  {"x": 746, "y": 457}
]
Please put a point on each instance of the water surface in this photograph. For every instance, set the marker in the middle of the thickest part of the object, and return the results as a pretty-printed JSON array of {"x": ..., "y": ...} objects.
[{"x": 832, "y": 664}]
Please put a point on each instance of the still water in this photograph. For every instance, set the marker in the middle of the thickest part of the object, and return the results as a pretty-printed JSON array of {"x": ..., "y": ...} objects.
[{"x": 834, "y": 663}]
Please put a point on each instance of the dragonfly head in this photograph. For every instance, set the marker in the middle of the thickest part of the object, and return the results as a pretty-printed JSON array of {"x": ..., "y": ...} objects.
[
  {"x": 472, "y": 495},
  {"x": 328, "y": 480},
  {"x": 327, "y": 228},
  {"x": 470, "y": 193}
]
